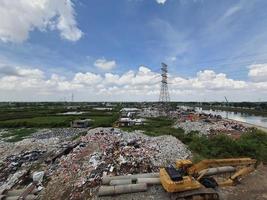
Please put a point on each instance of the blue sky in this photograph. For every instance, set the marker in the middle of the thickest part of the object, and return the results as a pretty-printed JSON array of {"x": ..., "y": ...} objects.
[{"x": 225, "y": 36}]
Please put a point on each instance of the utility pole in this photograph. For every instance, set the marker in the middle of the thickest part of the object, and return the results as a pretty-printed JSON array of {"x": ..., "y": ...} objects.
[{"x": 72, "y": 97}]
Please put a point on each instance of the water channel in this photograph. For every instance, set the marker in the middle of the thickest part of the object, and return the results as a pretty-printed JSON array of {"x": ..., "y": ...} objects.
[{"x": 243, "y": 117}]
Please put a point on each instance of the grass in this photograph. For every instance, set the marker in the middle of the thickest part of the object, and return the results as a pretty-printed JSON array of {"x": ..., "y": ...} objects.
[
  {"x": 252, "y": 144},
  {"x": 41, "y": 122},
  {"x": 15, "y": 135},
  {"x": 51, "y": 120},
  {"x": 157, "y": 126},
  {"x": 104, "y": 121}
]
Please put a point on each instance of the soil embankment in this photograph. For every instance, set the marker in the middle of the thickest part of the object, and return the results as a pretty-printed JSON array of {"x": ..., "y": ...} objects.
[
  {"x": 254, "y": 186},
  {"x": 252, "y": 125}
]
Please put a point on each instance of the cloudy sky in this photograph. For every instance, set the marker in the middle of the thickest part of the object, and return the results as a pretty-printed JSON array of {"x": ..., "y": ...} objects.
[{"x": 111, "y": 50}]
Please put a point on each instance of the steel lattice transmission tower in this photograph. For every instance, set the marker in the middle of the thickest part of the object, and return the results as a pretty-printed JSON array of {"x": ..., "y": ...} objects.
[{"x": 164, "y": 95}]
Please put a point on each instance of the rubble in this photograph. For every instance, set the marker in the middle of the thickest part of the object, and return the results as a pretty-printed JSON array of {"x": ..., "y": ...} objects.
[
  {"x": 12, "y": 163},
  {"x": 37, "y": 151},
  {"x": 106, "y": 151},
  {"x": 208, "y": 124},
  {"x": 12, "y": 180},
  {"x": 76, "y": 167},
  {"x": 207, "y": 128},
  {"x": 61, "y": 133},
  {"x": 150, "y": 112}
]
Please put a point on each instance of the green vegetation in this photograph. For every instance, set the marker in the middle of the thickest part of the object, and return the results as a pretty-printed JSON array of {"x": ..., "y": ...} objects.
[
  {"x": 58, "y": 121},
  {"x": 104, "y": 121},
  {"x": 48, "y": 117},
  {"x": 156, "y": 127},
  {"x": 14, "y": 135},
  {"x": 40, "y": 122},
  {"x": 252, "y": 144}
]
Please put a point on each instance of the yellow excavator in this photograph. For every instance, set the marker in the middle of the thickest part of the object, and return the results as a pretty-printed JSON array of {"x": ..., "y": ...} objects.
[{"x": 201, "y": 180}]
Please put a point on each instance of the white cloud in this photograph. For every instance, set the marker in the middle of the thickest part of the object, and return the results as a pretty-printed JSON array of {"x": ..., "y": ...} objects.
[
  {"x": 258, "y": 72},
  {"x": 144, "y": 84},
  {"x": 19, "y": 18},
  {"x": 208, "y": 80},
  {"x": 87, "y": 78},
  {"x": 18, "y": 71},
  {"x": 161, "y": 1},
  {"x": 231, "y": 11},
  {"x": 104, "y": 64}
]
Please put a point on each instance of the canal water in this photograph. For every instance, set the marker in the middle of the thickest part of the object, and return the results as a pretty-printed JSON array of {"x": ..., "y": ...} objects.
[{"x": 243, "y": 117}]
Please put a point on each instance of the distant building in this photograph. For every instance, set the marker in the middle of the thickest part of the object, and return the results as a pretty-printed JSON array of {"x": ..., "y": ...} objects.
[
  {"x": 73, "y": 107},
  {"x": 82, "y": 123},
  {"x": 130, "y": 110},
  {"x": 124, "y": 122},
  {"x": 138, "y": 122},
  {"x": 103, "y": 109}
]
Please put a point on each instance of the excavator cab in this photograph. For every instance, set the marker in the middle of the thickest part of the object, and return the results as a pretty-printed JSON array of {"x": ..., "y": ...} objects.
[{"x": 183, "y": 164}]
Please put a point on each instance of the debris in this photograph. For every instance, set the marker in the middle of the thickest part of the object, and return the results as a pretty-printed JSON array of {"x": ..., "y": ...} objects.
[
  {"x": 111, "y": 152},
  {"x": 208, "y": 124},
  {"x": 12, "y": 180},
  {"x": 61, "y": 133},
  {"x": 38, "y": 177}
]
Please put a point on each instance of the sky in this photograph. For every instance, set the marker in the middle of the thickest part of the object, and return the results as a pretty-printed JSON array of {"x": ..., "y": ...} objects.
[{"x": 112, "y": 50}]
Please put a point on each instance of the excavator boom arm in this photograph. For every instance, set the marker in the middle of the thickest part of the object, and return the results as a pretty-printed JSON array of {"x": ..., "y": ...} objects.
[{"x": 209, "y": 163}]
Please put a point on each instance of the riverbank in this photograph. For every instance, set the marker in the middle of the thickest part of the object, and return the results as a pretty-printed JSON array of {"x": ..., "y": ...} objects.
[
  {"x": 233, "y": 109},
  {"x": 250, "y": 125}
]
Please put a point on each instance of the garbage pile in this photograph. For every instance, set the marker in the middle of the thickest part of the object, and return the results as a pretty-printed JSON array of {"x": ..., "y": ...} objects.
[
  {"x": 105, "y": 151},
  {"x": 207, "y": 127},
  {"x": 13, "y": 162},
  {"x": 61, "y": 133},
  {"x": 31, "y": 191},
  {"x": 19, "y": 158},
  {"x": 150, "y": 112}
]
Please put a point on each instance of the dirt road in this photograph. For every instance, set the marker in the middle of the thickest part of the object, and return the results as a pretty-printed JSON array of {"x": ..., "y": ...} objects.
[{"x": 252, "y": 187}]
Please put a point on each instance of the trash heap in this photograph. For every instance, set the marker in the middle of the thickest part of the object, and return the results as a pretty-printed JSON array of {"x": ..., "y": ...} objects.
[
  {"x": 61, "y": 133},
  {"x": 14, "y": 162},
  {"x": 105, "y": 151},
  {"x": 212, "y": 127}
]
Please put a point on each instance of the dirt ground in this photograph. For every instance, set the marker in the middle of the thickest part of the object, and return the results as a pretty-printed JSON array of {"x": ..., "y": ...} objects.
[{"x": 252, "y": 187}]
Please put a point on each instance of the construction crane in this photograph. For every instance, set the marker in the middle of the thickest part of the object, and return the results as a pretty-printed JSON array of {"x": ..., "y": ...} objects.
[{"x": 197, "y": 181}]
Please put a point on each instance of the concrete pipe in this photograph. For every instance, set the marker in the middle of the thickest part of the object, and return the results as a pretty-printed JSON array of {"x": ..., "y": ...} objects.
[
  {"x": 15, "y": 192},
  {"x": 106, "y": 179},
  {"x": 29, "y": 197},
  {"x": 149, "y": 181},
  {"x": 121, "y": 189},
  {"x": 120, "y": 182}
]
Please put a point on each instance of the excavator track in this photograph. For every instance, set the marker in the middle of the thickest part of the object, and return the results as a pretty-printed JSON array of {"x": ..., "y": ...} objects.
[{"x": 200, "y": 194}]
